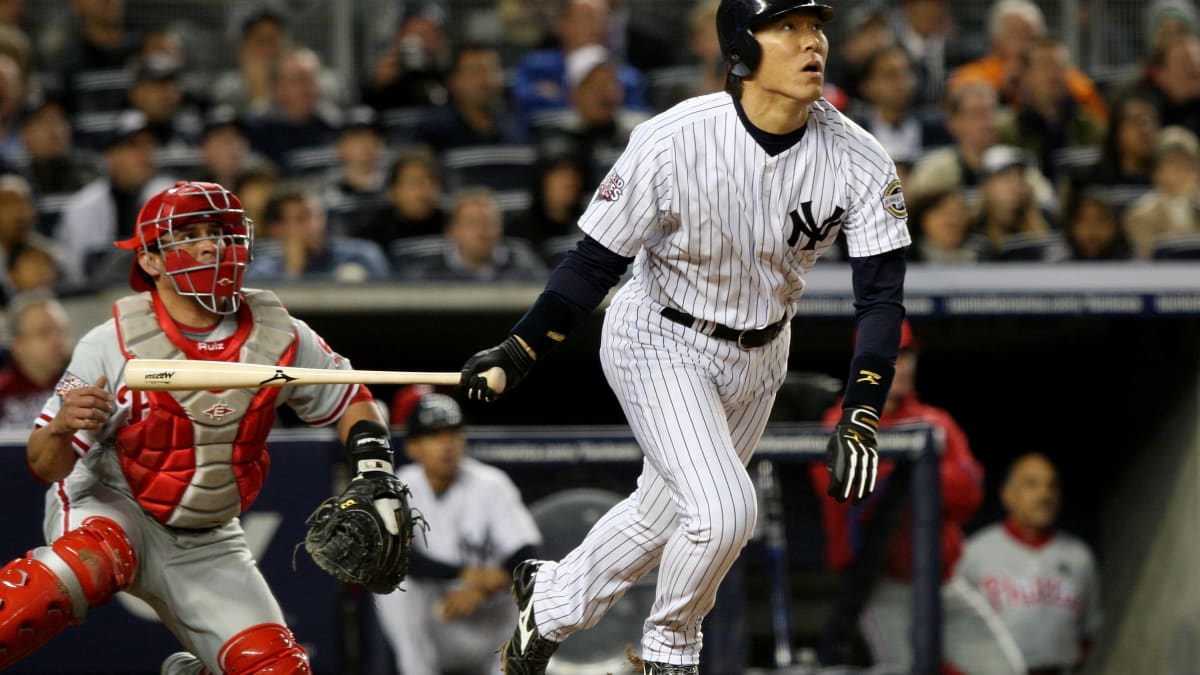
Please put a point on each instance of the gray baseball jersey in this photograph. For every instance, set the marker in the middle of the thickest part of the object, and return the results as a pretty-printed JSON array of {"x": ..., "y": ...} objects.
[
  {"x": 203, "y": 582},
  {"x": 723, "y": 230},
  {"x": 479, "y": 520},
  {"x": 1047, "y": 592}
]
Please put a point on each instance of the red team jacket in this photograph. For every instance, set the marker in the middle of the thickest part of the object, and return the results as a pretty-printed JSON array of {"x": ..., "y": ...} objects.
[{"x": 962, "y": 493}]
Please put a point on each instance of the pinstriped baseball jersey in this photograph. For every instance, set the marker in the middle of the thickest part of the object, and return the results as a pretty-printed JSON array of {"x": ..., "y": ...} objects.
[
  {"x": 727, "y": 230},
  {"x": 724, "y": 230}
]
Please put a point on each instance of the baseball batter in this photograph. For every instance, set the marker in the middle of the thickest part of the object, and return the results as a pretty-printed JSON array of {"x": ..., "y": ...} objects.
[
  {"x": 146, "y": 488},
  {"x": 452, "y": 613},
  {"x": 1041, "y": 582},
  {"x": 722, "y": 204}
]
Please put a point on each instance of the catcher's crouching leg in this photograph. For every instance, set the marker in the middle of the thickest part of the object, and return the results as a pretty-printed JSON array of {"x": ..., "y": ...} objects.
[
  {"x": 52, "y": 586},
  {"x": 265, "y": 649}
]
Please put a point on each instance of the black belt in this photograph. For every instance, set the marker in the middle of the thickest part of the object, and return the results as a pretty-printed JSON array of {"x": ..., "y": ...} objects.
[{"x": 750, "y": 338}]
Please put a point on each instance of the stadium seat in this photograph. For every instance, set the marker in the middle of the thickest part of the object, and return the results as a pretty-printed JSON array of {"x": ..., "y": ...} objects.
[
  {"x": 499, "y": 167},
  {"x": 1183, "y": 246},
  {"x": 401, "y": 124},
  {"x": 1033, "y": 248}
]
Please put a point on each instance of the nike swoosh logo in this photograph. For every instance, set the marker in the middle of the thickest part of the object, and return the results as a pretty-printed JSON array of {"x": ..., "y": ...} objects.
[{"x": 525, "y": 627}]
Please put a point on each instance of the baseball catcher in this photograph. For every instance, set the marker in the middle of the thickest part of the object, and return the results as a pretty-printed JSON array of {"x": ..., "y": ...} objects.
[{"x": 363, "y": 535}]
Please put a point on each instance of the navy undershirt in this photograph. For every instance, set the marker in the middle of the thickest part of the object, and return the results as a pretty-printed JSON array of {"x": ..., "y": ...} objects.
[{"x": 773, "y": 144}]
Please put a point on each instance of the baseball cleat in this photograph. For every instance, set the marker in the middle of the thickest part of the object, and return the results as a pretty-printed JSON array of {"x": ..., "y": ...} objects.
[
  {"x": 655, "y": 668},
  {"x": 526, "y": 652}
]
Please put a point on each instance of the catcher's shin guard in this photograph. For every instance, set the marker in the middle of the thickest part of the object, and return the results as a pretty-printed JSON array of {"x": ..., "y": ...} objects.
[
  {"x": 52, "y": 586},
  {"x": 265, "y": 649}
]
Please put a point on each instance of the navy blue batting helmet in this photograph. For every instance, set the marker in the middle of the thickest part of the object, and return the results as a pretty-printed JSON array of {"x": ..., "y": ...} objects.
[{"x": 736, "y": 18}]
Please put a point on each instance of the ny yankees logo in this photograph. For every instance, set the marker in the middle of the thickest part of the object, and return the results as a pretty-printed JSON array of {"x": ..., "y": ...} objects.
[
  {"x": 808, "y": 226},
  {"x": 279, "y": 375}
]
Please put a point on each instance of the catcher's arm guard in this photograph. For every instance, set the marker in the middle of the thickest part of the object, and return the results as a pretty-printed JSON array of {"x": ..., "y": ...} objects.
[{"x": 363, "y": 535}]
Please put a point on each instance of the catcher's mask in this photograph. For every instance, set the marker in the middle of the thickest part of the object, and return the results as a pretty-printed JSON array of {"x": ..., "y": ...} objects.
[{"x": 215, "y": 284}]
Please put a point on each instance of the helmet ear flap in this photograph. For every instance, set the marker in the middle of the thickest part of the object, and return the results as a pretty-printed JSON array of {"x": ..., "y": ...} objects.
[{"x": 744, "y": 54}]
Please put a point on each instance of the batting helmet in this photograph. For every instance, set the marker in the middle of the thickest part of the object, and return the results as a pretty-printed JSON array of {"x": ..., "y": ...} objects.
[
  {"x": 736, "y": 18},
  {"x": 216, "y": 285},
  {"x": 433, "y": 413}
]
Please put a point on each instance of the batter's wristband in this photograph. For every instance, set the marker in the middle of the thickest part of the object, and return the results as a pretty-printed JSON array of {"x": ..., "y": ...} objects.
[
  {"x": 547, "y": 322},
  {"x": 870, "y": 379}
]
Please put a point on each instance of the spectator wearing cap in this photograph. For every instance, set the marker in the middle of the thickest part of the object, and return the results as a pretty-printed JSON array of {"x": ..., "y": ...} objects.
[
  {"x": 53, "y": 164},
  {"x": 224, "y": 148},
  {"x": 1007, "y": 204},
  {"x": 971, "y": 120},
  {"x": 40, "y": 348},
  {"x": 597, "y": 124},
  {"x": 477, "y": 112},
  {"x": 106, "y": 209},
  {"x": 455, "y": 606},
  {"x": 1173, "y": 205},
  {"x": 873, "y": 543},
  {"x": 540, "y": 79},
  {"x": 296, "y": 243},
  {"x": 300, "y": 118},
  {"x": 473, "y": 247},
  {"x": 354, "y": 190},
  {"x": 157, "y": 94},
  {"x": 1166, "y": 20},
  {"x": 414, "y": 200},
  {"x": 411, "y": 71}
]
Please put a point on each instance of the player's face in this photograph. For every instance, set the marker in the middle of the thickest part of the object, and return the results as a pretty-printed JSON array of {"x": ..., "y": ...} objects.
[
  {"x": 794, "y": 51},
  {"x": 1032, "y": 494},
  {"x": 201, "y": 240},
  {"x": 439, "y": 453}
]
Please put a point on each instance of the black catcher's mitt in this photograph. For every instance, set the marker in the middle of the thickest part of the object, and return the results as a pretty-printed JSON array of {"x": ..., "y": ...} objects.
[{"x": 363, "y": 536}]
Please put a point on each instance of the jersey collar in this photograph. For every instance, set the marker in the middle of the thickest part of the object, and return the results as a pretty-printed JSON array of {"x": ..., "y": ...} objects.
[
  {"x": 773, "y": 144},
  {"x": 1037, "y": 540}
]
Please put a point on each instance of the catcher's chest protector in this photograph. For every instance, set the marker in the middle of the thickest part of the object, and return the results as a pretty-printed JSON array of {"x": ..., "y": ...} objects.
[{"x": 196, "y": 459}]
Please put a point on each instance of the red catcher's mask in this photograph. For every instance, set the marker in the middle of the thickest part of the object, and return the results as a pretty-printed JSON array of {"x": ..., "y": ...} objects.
[{"x": 161, "y": 228}]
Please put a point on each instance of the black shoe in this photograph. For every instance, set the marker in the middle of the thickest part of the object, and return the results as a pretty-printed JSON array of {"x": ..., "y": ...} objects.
[
  {"x": 655, "y": 668},
  {"x": 527, "y": 652}
]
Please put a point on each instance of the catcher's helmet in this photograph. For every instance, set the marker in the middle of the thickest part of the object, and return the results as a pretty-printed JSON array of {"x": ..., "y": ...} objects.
[
  {"x": 216, "y": 285},
  {"x": 736, "y": 18}
]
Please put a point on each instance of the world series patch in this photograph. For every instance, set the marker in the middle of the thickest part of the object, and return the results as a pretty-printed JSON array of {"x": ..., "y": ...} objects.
[
  {"x": 68, "y": 382},
  {"x": 893, "y": 200},
  {"x": 610, "y": 190}
]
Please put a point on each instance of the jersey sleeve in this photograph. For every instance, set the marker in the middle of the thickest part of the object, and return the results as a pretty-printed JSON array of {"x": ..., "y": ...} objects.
[
  {"x": 318, "y": 404},
  {"x": 627, "y": 206},
  {"x": 96, "y": 354},
  {"x": 877, "y": 219}
]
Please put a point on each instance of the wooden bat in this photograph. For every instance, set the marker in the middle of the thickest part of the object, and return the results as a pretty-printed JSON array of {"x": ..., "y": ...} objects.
[{"x": 185, "y": 375}]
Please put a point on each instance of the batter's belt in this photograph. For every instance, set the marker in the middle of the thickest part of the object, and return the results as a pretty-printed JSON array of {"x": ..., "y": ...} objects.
[{"x": 750, "y": 338}]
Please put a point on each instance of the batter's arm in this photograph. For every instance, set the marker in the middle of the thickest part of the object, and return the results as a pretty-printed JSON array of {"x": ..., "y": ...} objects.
[{"x": 576, "y": 287}]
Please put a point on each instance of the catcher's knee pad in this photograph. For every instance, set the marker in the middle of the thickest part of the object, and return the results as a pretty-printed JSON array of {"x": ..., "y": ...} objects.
[
  {"x": 52, "y": 586},
  {"x": 265, "y": 649}
]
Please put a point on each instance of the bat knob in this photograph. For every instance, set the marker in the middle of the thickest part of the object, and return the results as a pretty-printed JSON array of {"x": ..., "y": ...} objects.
[{"x": 496, "y": 379}]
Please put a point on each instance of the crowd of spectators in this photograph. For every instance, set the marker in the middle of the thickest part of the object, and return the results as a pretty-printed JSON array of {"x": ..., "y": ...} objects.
[{"x": 458, "y": 159}]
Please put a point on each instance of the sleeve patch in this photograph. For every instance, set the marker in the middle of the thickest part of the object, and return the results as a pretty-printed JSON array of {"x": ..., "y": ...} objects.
[
  {"x": 893, "y": 200},
  {"x": 611, "y": 188},
  {"x": 68, "y": 382}
]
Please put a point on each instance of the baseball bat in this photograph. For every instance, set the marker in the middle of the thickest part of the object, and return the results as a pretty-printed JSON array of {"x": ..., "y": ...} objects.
[{"x": 185, "y": 375}]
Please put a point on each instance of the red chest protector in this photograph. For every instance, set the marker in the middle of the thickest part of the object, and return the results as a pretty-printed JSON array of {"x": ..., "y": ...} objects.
[{"x": 196, "y": 459}]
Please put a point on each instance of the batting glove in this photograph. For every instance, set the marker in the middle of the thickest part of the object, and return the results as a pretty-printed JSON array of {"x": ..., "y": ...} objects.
[
  {"x": 852, "y": 455},
  {"x": 510, "y": 356}
]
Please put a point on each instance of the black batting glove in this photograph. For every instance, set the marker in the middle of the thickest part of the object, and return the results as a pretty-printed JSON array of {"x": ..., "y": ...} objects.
[
  {"x": 852, "y": 455},
  {"x": 510, "y": 356}
]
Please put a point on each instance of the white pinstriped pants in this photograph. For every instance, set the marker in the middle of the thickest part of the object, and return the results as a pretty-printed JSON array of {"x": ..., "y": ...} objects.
[{"x": 697, "y": 406}]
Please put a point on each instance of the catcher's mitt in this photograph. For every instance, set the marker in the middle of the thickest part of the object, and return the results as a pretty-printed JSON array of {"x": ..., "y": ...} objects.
[{"x": 364, "y": 535}]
